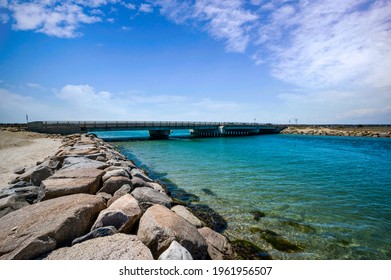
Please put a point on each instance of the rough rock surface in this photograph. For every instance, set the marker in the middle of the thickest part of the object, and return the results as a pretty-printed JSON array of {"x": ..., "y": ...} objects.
[
  {"x": 40, "y": 228},
  {"x": 82, "y": 162},
  {"x": 122, "y": 214},
  {"x": 115, "y": 172},
  {"x": 140, "y": 174},
  {"x": 160, "y": 226},
  {"x": 114, "y": 183},
  {"x": 187, "y": 215},
  {"x": 115, "y": 247},
  {"x": 148, "y": 197},
  {"x": 219, "y": 247},
  {"x": 175, "y": 252},
  {"x": 68, "y": 181},
  {"x": 99, "y": 232},
  {"x": 125, "y": 189}
]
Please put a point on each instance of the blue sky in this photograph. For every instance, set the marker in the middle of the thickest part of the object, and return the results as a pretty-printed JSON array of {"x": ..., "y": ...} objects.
[{"x": 318, "y": 61}]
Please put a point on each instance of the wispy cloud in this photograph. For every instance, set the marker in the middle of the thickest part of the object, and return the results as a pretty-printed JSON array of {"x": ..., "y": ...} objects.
[{"x": 146, "y": 8}]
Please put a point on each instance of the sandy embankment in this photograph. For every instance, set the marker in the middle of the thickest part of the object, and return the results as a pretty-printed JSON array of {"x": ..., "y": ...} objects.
[{"x": 22, "y": 149}]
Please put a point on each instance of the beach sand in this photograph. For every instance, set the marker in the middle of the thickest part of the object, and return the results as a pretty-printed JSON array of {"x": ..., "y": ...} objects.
[{"x": 22, "y": 149}]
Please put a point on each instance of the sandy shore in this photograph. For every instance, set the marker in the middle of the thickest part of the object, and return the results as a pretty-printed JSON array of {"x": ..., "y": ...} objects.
[{"x": 22, "y": 149}]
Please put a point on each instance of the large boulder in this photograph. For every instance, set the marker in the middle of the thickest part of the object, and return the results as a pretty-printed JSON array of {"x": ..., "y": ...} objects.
[
  {"x": 140, "y": 174},
  {"x": 116, "y": 172},
  {"x": 82, "y": 162},
  {"x": 175, "y": 252},
  {"x": 187, "y": 215},
  {"x": 125, "y": 189},
  {"x": 219, "y": 248},
  {"x": 99, "y": 232},
  {"x": 114, "y": 183},
  {"x": 69, "y": 181},
  {"x": 115, "y": 247},
  {"x": 160, "y": 226},
  {"x": 40, "y": 174},
  {"x": 40, "y": 228},
  {"x": 148, "y": 197},
  {"x": 122, "y": 214}
]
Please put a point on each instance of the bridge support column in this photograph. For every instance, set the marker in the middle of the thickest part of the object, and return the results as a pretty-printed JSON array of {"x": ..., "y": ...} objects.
[{"x": 159, "y": 134}]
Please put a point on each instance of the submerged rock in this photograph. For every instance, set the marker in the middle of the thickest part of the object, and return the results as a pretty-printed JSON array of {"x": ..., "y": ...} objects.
[
  {"x": 257, "y": 214},
  {"x": 245, "y": 250},
  {"x": 210, "y": 218},
  {"x": 277, "y": 241}
]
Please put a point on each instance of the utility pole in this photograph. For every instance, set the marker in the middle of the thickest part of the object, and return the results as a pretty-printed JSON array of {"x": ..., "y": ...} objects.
[{"x": 27, "y": 118}]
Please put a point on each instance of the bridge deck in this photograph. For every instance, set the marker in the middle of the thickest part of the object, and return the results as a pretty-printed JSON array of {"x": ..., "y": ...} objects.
[{"x": 157, "y": 129}]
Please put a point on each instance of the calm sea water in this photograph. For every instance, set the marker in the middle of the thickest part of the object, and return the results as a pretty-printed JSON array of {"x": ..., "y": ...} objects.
[{"x": 330, "y": 196}]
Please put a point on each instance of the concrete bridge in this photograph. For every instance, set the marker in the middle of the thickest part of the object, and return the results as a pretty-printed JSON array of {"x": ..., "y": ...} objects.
[{"x": 157, "y": 130}]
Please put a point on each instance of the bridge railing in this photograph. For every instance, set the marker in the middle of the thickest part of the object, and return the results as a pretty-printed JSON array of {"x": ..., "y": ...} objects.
[{"x": 149, "y": 124}]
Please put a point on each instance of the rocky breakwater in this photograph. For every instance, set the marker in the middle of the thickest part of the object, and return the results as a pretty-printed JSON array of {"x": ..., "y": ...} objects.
[
  {"x": 340, "y": 131},
  {"x": 88, "y": 201}
]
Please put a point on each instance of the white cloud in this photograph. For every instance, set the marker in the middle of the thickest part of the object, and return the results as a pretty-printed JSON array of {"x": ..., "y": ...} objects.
[
  {"x": 146, "y": 8},
  {"x": 223, "y": 20}
]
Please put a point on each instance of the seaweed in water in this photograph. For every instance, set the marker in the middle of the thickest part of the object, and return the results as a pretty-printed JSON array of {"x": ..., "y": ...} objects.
[
  {"x": 211, "y": 218},
  {"x": 246, "y": 250},
  {"x": 277, "y": 241},
  {"x": 299, "y": 226},
  {"x": 208, "y": 192},
  {"x": 257, "y": 215}
]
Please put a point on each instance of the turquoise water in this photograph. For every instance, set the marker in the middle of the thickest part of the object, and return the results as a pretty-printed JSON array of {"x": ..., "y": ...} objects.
[{"x": 330, "y": 196}]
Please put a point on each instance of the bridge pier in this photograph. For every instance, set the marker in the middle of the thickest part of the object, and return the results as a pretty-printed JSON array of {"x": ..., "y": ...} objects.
[{"x": 159, "y": 134}]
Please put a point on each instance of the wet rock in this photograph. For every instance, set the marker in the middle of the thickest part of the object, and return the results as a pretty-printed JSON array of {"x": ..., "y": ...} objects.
[
  {"x": 114, "y": 183},
  {"x": 99, "y": 232},
  {"x": 219, "y": 248},
  {"x": 208, "y": 192},
  {"x": 245, "y": 250},
  {"x": 115, "y": 247},
  {"x": 160, "y": 226},
  {"x": 148, "y": 197},
  {"x": 257, "y": 214},
  {"x": 209, "y": 217},
  {"x": 187, "y": 215},
  {"x": 39, "y": 228},
  {"x": 277, "y": 241},
  {"x": 175, "y": 252},
  {"x": 122, "y": 214}
]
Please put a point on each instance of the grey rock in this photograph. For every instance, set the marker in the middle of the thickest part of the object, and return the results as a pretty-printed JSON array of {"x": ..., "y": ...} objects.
[
  {"x": 114, "y": 183},
  {"x": 125, "y": 189},
  {"x": 39, "y": 228},
  {"x": 219, "y": 248},
  {"x": 139, "y": 183},
  {"x": 140, "y": 174},
  {"x": 122, "y": 214},
  {"x": 148, "y": 197},
  {"x": 115, "y": 247},
  {"x": 160, "y": 226},
  {"x": 116, "y": 172},
  {"x": 82, "y": 162},
  {"x": 175, "y": 252},
  {"x": 19, "y": 170},
  {"x": 40, "y": 174},
  {"x": 187, "y": 215},
  {"x": 68, "y": 181},
  {"x": 99, "y": 232}
]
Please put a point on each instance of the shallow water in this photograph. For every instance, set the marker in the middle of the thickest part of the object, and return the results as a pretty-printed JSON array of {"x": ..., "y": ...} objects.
[{"x": 328, "y": 196}]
